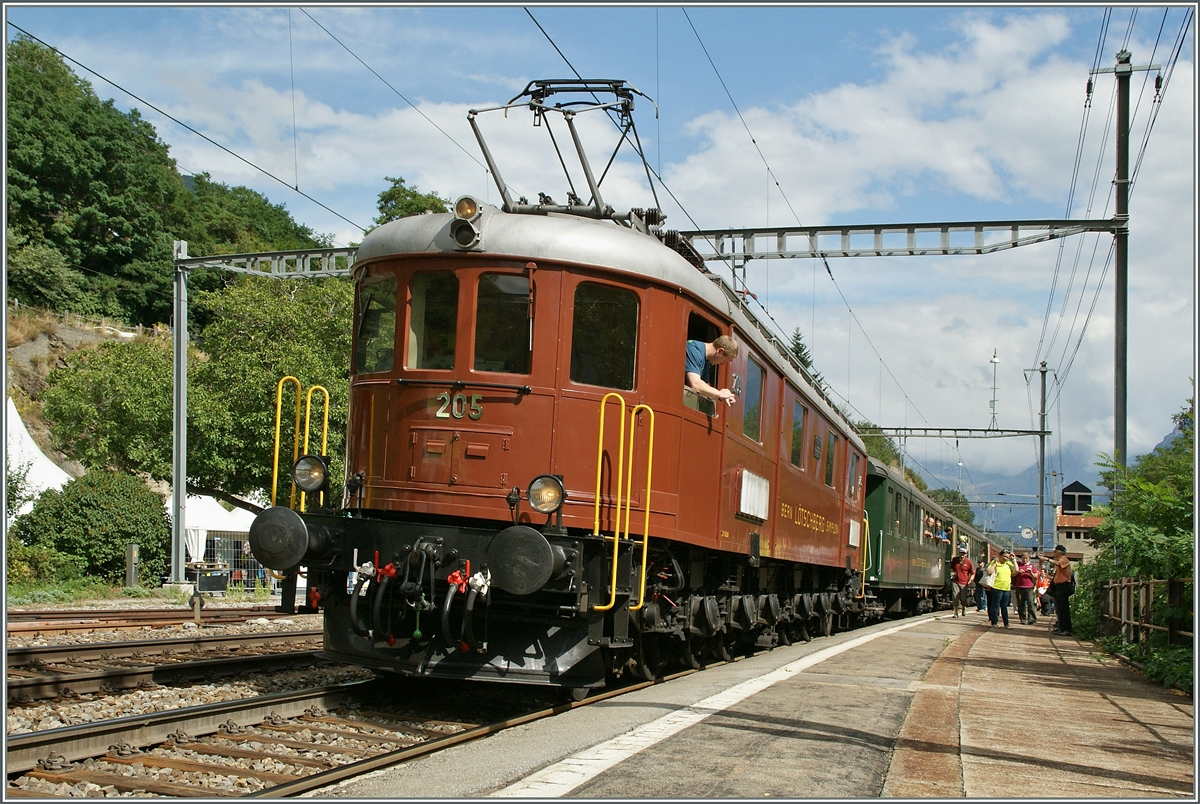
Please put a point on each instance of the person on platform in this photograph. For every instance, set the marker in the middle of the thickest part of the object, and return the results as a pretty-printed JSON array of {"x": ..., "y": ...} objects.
[
  {"x": 1062, "y": 587},
  {"x": 999, "y": 595},
  {"x": 962, "y": 573},
  {"x": 980, "y": 589},
  {"x": 1024, "y": 586},
  {"x": 700, "y": 357}
]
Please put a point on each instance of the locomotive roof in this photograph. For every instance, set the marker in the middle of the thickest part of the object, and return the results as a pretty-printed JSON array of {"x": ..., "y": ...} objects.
[{"x": 574, "y": 239}]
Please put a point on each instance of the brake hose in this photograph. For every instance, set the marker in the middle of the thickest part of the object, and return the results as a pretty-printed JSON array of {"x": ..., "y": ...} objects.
[
  {"x": 355, "y": 623},
  {"x": 446, "y": 638},
  {"x": 377, "y": 609}
]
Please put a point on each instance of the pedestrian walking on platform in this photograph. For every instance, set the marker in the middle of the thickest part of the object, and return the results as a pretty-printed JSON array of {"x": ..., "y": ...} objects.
[
  {"x": 1062, "y": 587},
  {"x": 1002, "y": 570},
  {"x": 962, "y": 573},
  {"x": 980, "y": 589},
  {"x": 1024, "y": 589}
]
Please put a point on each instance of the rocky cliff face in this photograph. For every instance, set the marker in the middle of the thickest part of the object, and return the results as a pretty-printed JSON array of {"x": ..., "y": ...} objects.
[{"x": 37, "y": 343}]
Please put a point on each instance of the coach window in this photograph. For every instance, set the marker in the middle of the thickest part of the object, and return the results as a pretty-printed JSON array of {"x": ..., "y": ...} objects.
[
  {"x": 503, "y": 328},
  {"x": 752, "y": 401},
  {"x": 604, "y": 336},
  {"x": 798, "y": 414},
  {"x": 830, "y": 454},
  {"x": 376, "y": 333},
  {"x": 432, "y": 321}
]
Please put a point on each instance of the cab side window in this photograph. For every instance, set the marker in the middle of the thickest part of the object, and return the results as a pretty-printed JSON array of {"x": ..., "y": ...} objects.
[
  {"x": 831, "y": 442},
  {"x": 375, "y": 335}
]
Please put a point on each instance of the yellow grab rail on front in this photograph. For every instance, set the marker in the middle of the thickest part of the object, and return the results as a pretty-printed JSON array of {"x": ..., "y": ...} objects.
[
  {"x": 612, "y": 601},
  {"x": 324, "y": 426},
  {"x": 649, "y": 467},
  {"x": 296, "y": 440}
]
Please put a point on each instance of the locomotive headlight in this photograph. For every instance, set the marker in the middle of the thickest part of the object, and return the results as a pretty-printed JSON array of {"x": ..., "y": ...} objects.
[
  {"x": 545, "y": 494},
  {"x": 310, "y": 473},
  {"x": 466, "y": 208},
  {"x": 464, "y": 233}
]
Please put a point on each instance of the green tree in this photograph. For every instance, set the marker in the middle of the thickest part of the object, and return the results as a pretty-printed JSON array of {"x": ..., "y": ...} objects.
[
  {"x": 883, "y": 449},
  {"x": 263, "y": 330},
  {"x": 93, "y": 518},
  {"x": 802, "y": 353},
  {"x": 955, "y": 502},
  {"x": 1148, "y": 526},
  {"x": 400, "y": 201},
  {"x": 111, "y": 406},
  {"x": 90, "y": 181}
]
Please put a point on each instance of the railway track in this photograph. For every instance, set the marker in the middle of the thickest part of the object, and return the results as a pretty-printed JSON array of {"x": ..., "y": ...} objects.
[
  {"x": 55, "y": 621},
  {"x": 275, "y": 745},
  {"x": 67, "y": 671}
]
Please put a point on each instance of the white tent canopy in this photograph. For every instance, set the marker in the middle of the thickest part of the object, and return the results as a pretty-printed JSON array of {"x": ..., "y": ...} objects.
[{"x": 21, "y": 449}]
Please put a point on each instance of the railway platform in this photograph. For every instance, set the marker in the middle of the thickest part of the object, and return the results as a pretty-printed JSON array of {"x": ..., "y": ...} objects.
[{"x": 928, "y": 707}]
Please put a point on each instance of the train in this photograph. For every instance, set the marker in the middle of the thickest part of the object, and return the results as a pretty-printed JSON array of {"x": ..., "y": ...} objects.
[{"x": 532, "y": 492}]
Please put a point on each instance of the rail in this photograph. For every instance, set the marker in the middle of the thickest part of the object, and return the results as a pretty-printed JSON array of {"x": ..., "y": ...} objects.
[{"x": 1127, "y": 605}]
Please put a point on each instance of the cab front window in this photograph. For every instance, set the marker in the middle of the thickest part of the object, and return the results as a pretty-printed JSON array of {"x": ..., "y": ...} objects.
[
  {"x": 432, "y": 321},
  {"x": 503, "y": 328}
]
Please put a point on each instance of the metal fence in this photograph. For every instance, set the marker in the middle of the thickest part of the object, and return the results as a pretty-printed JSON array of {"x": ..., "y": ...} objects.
[
  {"x": 230, "y": 548},
  {"x": 1136, "y": 609}
]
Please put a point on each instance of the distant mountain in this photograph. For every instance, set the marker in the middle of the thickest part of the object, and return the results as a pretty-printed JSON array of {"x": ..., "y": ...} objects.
[{"x": 1174, "y": 434}]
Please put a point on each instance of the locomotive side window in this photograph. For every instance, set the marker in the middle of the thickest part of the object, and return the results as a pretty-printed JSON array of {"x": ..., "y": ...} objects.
[
  {"x": 830, "y": 453},
  {"x": 604, "y": 336},
  {"x": 432, "y": 321},
  {"x": 852, "y": 478},
  {"x": 752, "y": 401},
  {"x": 376, "y": 335},
  {"x": 503, "y": 328},
  {"x": 798, "y": 414}
]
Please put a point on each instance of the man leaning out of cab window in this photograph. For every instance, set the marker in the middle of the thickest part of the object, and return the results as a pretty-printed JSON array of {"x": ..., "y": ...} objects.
[{"x": 700, "y": 356}]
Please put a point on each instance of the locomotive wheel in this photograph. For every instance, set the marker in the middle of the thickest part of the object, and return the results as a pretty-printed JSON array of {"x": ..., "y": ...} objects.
[
  {"x": 721, "y": 648},
  {"x": 651, "y": 656},
  {"x": 785, "y": 638},
  {"x": 826, "y": 623},
  {"x": 804, "y": 635},
  {"x": 693, "y": 651}
]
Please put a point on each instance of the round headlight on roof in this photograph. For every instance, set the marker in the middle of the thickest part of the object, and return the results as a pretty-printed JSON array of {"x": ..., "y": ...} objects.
[
  {"x": 464, "y": 233},
  {"x": 545, "y": 494},
  {"x": 466, "y": 208},
  {"x": 310, "y": 473}
]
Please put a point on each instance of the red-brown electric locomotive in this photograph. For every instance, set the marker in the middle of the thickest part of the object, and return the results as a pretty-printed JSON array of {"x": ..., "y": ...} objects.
[{"x": 532, "y": 493}]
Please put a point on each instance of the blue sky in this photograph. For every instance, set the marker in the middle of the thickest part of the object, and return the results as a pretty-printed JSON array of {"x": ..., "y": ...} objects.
[{"x": 877, "y": 114}]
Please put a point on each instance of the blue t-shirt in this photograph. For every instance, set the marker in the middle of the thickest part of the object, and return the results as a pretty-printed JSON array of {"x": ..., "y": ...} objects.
[{"x": 695, "y": 363}]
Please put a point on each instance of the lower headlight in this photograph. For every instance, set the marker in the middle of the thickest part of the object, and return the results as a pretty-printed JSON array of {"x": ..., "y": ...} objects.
[
  {"x": 545, "y": 494},
  {"x": 310, "y": 473}
]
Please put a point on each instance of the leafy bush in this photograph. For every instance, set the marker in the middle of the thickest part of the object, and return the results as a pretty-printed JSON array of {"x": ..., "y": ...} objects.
[
  {"x": 92, "y": 519},
  {"x": 29, "y": 564}
]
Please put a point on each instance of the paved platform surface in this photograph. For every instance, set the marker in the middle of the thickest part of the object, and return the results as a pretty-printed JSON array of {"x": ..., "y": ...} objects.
[{"x": 929, "y": 707}]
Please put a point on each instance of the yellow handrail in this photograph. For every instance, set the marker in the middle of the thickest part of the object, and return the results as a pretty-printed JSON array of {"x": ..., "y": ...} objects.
[
  {"x": 862, "y": 589},
  {"x": 324, "y": 427},
  {"x": 296, "y": 442},
  {"x": 649, "y": 468},
  {"x": 612, "y": 601}
]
